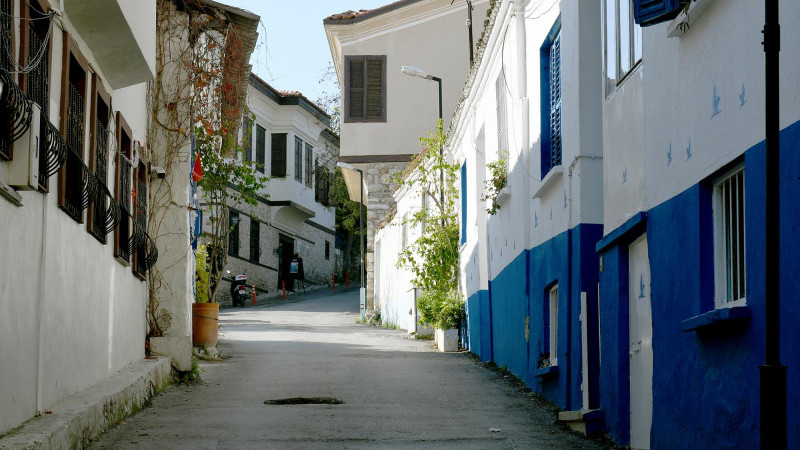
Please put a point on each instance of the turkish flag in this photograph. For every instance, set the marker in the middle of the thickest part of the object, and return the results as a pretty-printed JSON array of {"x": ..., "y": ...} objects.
[{"x": 197, "y": 170}]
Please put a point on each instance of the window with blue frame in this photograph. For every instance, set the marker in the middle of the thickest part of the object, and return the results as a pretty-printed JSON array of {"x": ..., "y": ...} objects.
[
  {"x": 651, "y": 12},
  {"x": 464, "y": 203},
  {"x": 551, "y": 99}
]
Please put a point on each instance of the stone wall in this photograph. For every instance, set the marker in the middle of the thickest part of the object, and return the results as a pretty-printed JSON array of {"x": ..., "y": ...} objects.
[{"x": 380, "y": 199}]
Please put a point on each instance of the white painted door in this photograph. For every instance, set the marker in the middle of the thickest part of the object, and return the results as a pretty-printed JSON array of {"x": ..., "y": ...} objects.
[{"x": 640, "y": 345}]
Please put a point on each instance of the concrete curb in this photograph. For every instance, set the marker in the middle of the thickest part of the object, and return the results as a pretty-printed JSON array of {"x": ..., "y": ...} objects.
[{"x": 80, "y": 418}]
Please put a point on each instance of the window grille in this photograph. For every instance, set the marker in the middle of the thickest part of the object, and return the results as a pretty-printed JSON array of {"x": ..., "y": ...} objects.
[
  {"x": 74, "y": 175},
  {"x": 101, "y": 172},
  {"x": 555, "y": 102},
  {"x": 298, "y": 159},
  {"x": 125, "y": 168},
  {"x": 730, "y": 238},
  {"x": 5, "y": 62},
  {"x": 141, "y": 218},
  {"x": 309, "y": 159}
]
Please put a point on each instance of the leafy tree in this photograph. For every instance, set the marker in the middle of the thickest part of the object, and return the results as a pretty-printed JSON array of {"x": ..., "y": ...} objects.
[{"x": 433, "y": 257}]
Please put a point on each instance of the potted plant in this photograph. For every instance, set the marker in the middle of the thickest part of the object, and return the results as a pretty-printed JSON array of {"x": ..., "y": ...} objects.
[{"x": 205, "y": 314}]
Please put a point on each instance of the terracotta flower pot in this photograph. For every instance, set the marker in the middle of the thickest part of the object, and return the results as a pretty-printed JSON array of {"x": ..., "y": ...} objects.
[{"x": 205, "y": 321}]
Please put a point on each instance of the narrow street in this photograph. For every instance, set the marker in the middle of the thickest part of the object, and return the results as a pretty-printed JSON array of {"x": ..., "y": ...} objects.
[{"x": 397, "y": 392}]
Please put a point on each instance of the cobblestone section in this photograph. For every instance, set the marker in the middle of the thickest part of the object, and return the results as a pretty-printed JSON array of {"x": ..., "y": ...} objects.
[{"x": 380, "y": 186}]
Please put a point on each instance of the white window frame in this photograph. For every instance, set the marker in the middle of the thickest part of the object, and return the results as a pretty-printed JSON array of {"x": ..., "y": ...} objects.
[
  {"x": 632, "y": 52},
  {"x": 553, "y": 310},
  {"x": 723, "y": 211}
]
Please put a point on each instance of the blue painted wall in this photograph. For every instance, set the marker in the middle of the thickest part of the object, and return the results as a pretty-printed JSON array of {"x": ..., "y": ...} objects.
[
  {"x": 520, "y": 292},
  {"x": 705, "y": 383}
]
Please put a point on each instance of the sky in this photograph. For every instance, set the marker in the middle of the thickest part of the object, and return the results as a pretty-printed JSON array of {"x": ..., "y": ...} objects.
[{"x": 292, "y": 51}]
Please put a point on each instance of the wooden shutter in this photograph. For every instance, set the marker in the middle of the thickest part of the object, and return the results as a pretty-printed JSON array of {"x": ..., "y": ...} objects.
[
  {"x": 375, "y": 83},
  {"x": 279, "y": 155},
  {"x": 365, "y": 94},
  {"x": 651, "y": 12}
]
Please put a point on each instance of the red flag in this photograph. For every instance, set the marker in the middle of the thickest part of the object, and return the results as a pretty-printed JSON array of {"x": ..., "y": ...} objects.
[{"x": 197, "y": 170}]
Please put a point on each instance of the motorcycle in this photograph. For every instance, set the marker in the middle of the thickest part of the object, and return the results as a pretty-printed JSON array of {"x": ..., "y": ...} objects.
[{"x": 239, "y": 290}]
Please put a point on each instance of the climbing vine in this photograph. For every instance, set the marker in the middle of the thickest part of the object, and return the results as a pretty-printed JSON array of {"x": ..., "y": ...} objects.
[
  {"x": 198, "y": 93},
  {"x": 433, "y": 257}
]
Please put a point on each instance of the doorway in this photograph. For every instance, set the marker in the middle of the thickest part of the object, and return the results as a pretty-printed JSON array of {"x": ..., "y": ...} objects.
[
  {"x": 640, "y": 344},
  {"x": 285, "y": 254}
]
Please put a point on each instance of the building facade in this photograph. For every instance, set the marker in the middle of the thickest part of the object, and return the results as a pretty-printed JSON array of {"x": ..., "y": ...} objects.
[
  {"x": 385, "y": 112},
  {"x": 289, "y": 138},
  {"x": 74, "y": 158}
]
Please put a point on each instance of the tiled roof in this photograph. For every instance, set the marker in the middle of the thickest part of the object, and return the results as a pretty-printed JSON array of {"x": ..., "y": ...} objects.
[
  {"x": 362, "y": 14},
  {"x": 278, "y": 96}
]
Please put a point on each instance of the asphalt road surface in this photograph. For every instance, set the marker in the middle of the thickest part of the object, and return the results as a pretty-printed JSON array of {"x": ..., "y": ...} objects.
[{"x": 396, "y": 392}]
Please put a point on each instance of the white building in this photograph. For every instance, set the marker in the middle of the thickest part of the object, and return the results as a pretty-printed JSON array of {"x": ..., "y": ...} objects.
[
  {"x": 289, "y": 138},
  {"x": 75, "y": 250},
  {"x": 384, "y": 112}
]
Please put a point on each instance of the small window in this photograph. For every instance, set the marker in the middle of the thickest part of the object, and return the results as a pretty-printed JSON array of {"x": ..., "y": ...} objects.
[
  {"x": 261, "y": 148},
  {"x": 551, "y": 99},
  {"x": 140, "y": 208},
  {"x": 247, "y": 139},
  {"x": 365, "y": 93},
  {"x": 622, "y": 42},
  {"x": 552, "y": 324},
  {"x": 124, "y": 189},
  {"x": 729, "y": 239},
  {"x": 501, "y": 89},
  {"x": 255, "y": 240},
  {"x": 233, "y": 236},
  {"x": 99, "y": 150},
  {"x": 7, "y": 31},
  {"x": 327, "y": 250},
  {"x": 73, "y": 126},
  {"x": 309, "y": 165},
  {"x": 278, "y": 155},
  {"x": 298, "y": 159},
  {"x": 404, "y": 236}
]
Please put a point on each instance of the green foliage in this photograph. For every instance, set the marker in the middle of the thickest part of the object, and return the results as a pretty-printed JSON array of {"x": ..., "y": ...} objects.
[
  {"x": 202, "y": 273},
  {"x": 433, "y": 257},
  {"x": 496, "y": 183},
  {"x": 226, "y": 180}
]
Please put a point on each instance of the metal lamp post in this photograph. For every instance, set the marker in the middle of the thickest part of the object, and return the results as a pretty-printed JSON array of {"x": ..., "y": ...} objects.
[
  {"x": 417, "y": 72},
  {"x": 363, "y": 289}
]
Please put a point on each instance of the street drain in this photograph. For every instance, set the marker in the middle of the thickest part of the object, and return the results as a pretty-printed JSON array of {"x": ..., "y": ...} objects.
[{"x": 304, "y": 401}]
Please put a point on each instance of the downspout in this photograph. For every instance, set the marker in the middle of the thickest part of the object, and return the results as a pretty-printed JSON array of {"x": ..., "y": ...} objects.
[{"x": 42, "y": 290}]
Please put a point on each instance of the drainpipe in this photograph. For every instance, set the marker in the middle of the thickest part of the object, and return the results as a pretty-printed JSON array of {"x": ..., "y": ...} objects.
[
  {"x": 772, "y": 373},
  {"x": 41, "y": 301}
]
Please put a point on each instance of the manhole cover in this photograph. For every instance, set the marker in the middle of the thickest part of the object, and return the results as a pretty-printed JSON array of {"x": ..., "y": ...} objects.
[{"x": 304, "y": 401}]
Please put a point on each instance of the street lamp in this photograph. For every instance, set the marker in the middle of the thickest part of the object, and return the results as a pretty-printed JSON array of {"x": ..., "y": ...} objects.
[
  {"x": 417, "y": 72},
  {"x": 362, "y": 291}
]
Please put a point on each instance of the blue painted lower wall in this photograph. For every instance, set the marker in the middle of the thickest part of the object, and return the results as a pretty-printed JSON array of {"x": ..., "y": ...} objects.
[
  {"x": 705, "y": 382},
  {"x": 497, "y": 318}
]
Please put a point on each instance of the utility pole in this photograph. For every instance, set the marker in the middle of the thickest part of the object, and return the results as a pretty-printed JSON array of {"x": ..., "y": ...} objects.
[{"x": 772, "y": 373}]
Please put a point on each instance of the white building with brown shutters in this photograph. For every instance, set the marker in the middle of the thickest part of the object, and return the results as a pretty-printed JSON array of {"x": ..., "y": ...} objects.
[{"x": 384, "y": 112}]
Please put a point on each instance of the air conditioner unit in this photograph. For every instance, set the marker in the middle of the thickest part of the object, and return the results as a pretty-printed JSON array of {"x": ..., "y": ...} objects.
[{"x": 23, "y": 170}]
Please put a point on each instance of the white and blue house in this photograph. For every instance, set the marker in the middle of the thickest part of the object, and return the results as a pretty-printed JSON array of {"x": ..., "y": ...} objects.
[{"x": 682, "y": 258}]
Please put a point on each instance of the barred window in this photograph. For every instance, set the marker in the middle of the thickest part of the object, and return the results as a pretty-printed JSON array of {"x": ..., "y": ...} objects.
[
  {"x": 124, "y": 189},
  {"x": 74, "y": 181},
  {"x": 730, "y": 273},
  {"x": 99, "y": 158},
  {"x": 37, "y": 80},
  {"x": 140, "y": 208},
  {"x": 6, "y": 59}
]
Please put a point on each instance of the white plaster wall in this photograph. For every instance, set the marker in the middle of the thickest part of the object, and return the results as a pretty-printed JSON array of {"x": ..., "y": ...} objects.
[
  {"x": 74, "y": 314},
  {"x": 141, "y": 15},
  {"x": 668, "y": 106},
  {"x": 413, "y": 36}
]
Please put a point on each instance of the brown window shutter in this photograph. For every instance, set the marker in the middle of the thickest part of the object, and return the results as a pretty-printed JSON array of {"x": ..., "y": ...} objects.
[
  {"x": 356, "y": 88},
  {"x": 375, "y": 84}
]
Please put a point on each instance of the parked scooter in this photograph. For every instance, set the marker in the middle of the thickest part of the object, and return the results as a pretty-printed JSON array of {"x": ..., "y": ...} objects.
[{"x": 239, "y": 290}]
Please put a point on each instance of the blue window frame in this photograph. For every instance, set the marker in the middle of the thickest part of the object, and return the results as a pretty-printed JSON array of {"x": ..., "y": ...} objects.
[
  {"x": 651, "y": 12},
  {"x": 464, "y": 203},
  {"x": 551, "y": 98}
]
